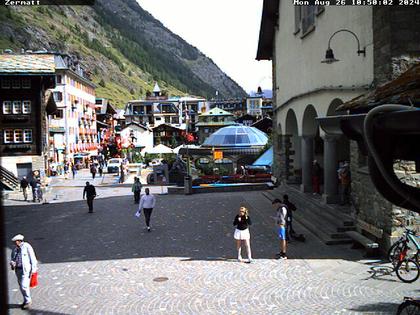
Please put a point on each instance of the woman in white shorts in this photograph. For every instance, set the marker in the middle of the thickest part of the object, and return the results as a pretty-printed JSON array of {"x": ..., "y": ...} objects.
[{"x": 242, "y": 222}]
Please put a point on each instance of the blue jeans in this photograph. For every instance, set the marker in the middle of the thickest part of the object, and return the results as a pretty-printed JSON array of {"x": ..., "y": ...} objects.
[{"x": 24, "y": 281}]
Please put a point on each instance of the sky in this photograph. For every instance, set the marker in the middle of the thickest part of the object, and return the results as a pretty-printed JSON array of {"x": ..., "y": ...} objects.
[{"x": 227, "y": 31}]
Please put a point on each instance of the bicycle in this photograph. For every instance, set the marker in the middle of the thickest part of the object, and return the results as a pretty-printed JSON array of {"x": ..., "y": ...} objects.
[
  {"x": 410, "y": 306},
  {"x": 405, "y": 263},
  {"x": 396, "y": 249}
]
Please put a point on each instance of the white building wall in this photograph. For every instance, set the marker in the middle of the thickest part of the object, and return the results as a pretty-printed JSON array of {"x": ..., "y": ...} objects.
[
  {"x": 299, "y": 68},
  {"x": 144, "y": 137}
]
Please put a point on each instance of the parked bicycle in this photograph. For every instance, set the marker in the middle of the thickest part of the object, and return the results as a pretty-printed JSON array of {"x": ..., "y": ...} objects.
[
  {"x": 404, "y": 258},
  {"x": 410, "y": 306}
]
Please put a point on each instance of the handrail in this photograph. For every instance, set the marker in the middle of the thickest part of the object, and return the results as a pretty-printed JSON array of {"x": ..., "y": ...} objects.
[{"x": 6, "y": 174}]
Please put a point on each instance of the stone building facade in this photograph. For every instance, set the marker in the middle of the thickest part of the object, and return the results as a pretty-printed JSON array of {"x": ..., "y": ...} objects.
[{"x": 304, "y": 90}]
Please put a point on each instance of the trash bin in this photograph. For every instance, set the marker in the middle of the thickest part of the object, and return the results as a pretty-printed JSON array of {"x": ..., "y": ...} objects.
[{"x": 188, "y": 185}]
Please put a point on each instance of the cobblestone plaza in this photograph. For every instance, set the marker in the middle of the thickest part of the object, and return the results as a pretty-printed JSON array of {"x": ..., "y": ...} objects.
[{"x": 107, "y": 263}]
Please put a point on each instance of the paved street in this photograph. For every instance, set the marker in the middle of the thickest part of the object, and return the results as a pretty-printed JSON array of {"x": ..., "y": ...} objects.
[{"x": 107, "y": 263}]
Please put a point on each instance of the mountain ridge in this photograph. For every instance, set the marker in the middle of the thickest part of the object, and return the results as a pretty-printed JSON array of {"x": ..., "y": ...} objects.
[{"x": 126, "y": 48}]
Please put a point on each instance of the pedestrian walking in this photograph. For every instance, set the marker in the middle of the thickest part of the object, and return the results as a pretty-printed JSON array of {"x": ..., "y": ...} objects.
[
  {"x": 33, "y": 184},
  {"x": 136, "y": 189},
  {"x": 23, "y": 186},
  {"x": 121, "y": 179},
  {"x": 147, "y": 203},
  {"x": 66, "y": 170},
  {"x": 73, "y": 170},
  {"x": 93, "y": 170},
  {"x": 316, "y": 177},
  {"x": 242, "y": 222},
  {"x": 90, "y": 192},
  {"x": 281, "y": 226},
  {"x": 344, "y": 177},
  {"x": 23, "y": 262},
  {"x": 38, "y": 190},
  {"x": 289, "y": 220}
]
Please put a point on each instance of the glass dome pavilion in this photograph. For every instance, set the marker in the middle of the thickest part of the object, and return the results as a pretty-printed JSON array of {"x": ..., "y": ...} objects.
[{"x": 237, "y": 136}]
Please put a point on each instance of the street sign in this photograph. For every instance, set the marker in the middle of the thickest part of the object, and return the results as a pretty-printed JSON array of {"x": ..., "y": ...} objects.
[{"x": 217, "y": 155}]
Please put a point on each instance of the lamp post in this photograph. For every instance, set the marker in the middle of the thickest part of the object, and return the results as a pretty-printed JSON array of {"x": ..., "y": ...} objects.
[
  {"x": 187, "y": 180},
  {"x": 329, "y": 54},
  {"x": 133, "y": 138}
]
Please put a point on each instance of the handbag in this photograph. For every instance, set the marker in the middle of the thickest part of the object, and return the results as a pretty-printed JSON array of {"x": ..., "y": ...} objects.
[
  {"x": 138, "y": 214},
  {"x": 34, "y": 280}
]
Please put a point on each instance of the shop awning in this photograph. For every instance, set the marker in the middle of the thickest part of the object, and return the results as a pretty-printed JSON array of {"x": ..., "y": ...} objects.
[{"x": 266, "y": 159}]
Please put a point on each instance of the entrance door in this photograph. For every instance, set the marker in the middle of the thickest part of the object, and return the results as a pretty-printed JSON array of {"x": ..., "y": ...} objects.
[{"x": 24, "y": 169}]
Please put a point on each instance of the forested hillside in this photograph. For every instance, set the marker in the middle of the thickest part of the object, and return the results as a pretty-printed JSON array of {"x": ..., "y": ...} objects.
[{"x": 125, "y": 48}]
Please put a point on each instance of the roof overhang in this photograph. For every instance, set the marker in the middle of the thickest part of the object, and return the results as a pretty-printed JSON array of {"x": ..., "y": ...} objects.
[
  {"x": 226, "y": 151},
  {"x": 269, "y": 21}
]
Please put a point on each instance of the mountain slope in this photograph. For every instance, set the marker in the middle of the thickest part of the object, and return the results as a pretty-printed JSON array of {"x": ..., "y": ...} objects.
[{"x": 124, "y": 46}]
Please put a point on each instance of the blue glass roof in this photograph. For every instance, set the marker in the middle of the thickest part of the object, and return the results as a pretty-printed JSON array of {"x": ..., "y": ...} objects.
[{"x": 236, "y": 136}]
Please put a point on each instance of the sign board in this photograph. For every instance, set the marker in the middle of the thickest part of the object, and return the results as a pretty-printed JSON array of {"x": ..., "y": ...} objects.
[{"x": 217, "y": 155}]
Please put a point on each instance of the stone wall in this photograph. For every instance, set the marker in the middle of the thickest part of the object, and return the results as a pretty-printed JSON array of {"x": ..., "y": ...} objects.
[
  {"x": 369, "y": 205},
  {"x": 396, "y": 33}
]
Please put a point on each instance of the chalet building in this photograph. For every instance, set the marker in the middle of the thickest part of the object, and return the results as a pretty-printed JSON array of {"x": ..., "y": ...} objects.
[
  {"x": 234, "y": 106},
  {"x": 213, "y": 120},
  {"x": 25, "y": 104},
  {"x": 264, "y": 124},
  {"x": 105, "y": 120},
  {"x": 168, "y": 135},
  {"x": 137, "y": 136},
  {"x": 323, "y": 57},
  {"x": 259, "y": 106},
  {"x": 246, "y": 120},
  {"x": 178, "y": 112},
  {"x": 267, "y": 107},
  {"x": 73, "y": 127}
]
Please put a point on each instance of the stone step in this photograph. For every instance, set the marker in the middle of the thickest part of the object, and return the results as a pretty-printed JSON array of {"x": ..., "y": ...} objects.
[
  {"x": 346, "y": 228},
  {"x": 308, "y": 203},
  {"x": 318, "y": 232},
  {"x": 329, "y": 211},
  {"x": 324, "y": 230}
]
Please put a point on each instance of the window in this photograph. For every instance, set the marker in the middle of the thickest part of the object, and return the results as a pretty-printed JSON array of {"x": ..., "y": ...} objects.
[
  {"x": 26, "y": 83},
  {"x": 7, "y": 107},
  {"x": 5, "y": 83},
  {"x": 26, "y": 107},
  {"x": 18, "y": 135},
  {"x": 59, "y": 114},
  {"x": 320, "y": 9},
  {"x": 27, "y": 135},
  {"x": 58, "y": 96},
  {"x": 8, "y": 136},
  {"x": 16, "y": 84},
  {"x": 58, "y": 79},
  {"x": 167, "y": 119},
  {"x": 17, "y": 107},
  {"x": 308, "y": 18}
]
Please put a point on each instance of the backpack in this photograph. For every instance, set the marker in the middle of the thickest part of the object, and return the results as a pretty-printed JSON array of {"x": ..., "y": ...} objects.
[{"x": 137, "y": 187}]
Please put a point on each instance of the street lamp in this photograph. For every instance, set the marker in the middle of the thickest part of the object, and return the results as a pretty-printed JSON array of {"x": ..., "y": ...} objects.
[{"x": 329, "y": 54}]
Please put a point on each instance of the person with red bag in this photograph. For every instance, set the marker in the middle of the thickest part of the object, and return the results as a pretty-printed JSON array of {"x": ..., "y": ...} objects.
[{"x": 24, "y": 263}]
